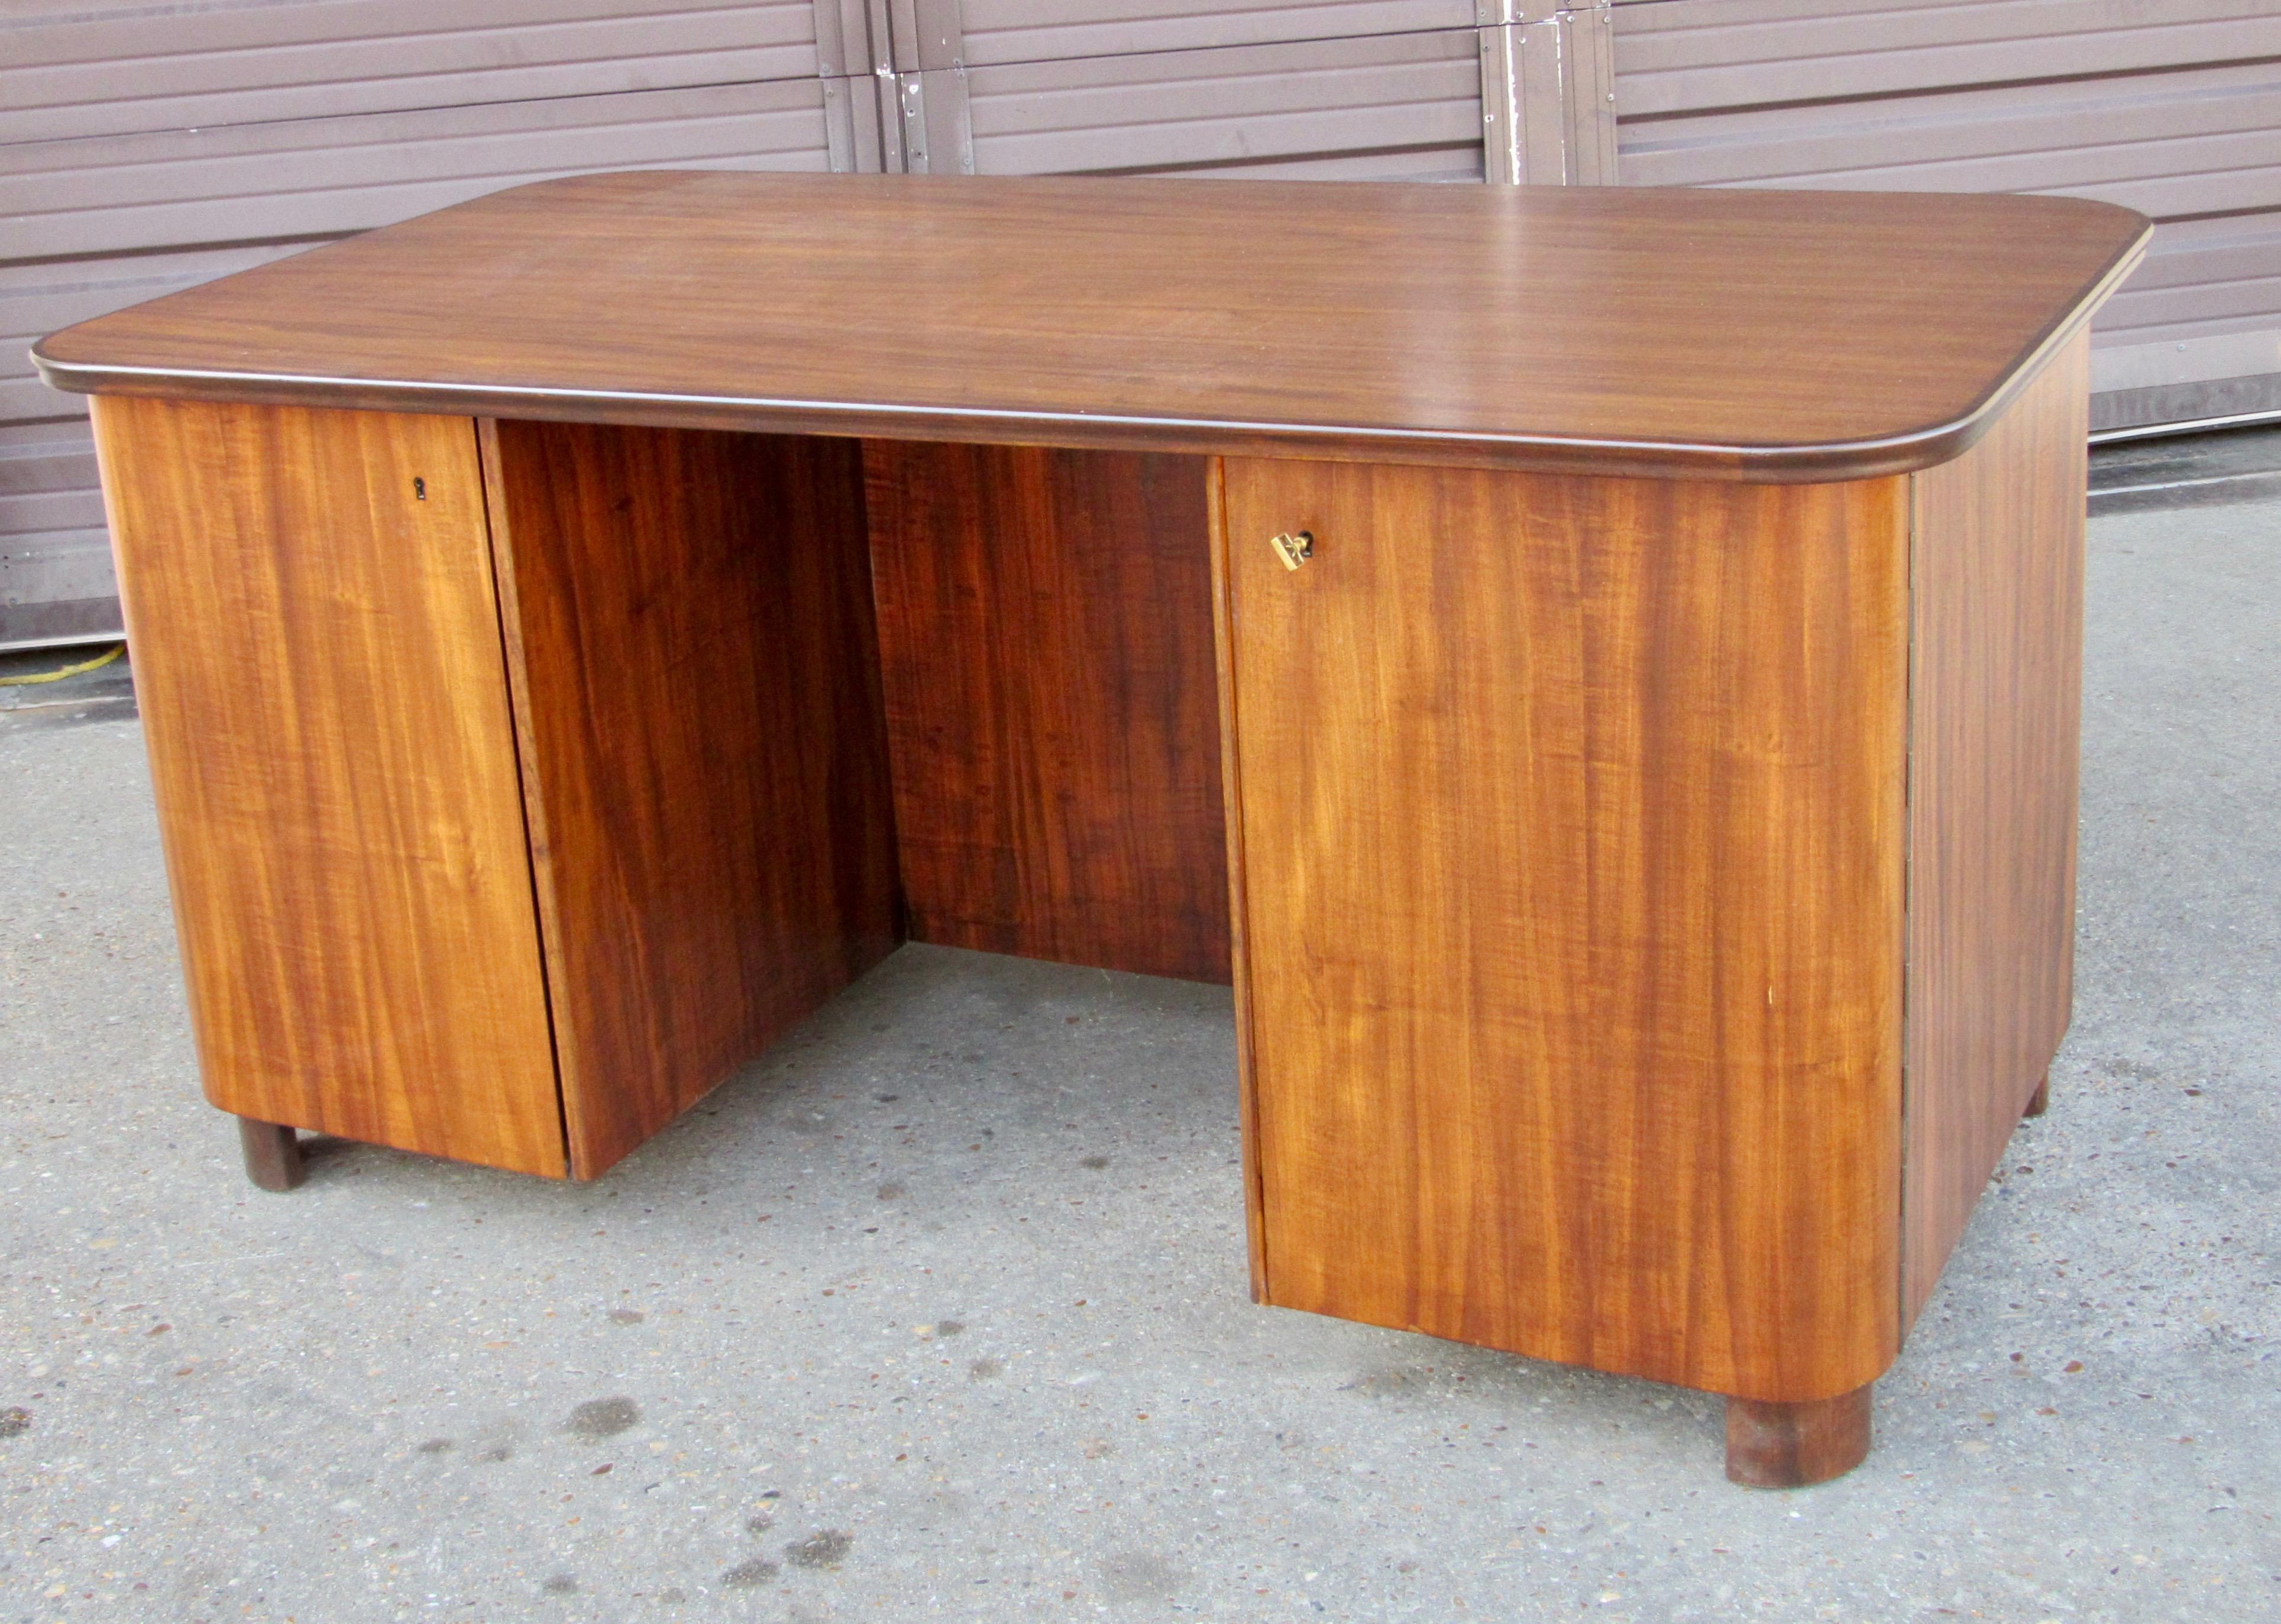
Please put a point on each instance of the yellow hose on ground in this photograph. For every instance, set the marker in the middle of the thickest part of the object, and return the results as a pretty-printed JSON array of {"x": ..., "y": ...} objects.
[{"x": 115, "y": 650}]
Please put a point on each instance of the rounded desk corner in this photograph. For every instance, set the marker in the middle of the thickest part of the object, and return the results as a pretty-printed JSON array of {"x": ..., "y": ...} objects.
[
  {"x": 2139, "y": 226},
  {"x": 1919, "y": 450},
  {"x": 66, "y": 376},
  {"x": 1830, "y": 462}
]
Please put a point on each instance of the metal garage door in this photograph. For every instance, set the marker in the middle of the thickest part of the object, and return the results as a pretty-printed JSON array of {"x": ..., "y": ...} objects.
[
  {"x": 1360, "y": 89},
  {"x": 2171, "y": 106},
  {"x": 145, "y": 148}
]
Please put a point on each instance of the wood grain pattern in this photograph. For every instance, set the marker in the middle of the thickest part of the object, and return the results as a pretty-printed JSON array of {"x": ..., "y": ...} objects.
[
  {"x": 1790, "y": 1446},
  {"x": 1749, "y": 334},
  {"x": 317, "y": 662},
  {"x": 697, "y": 674},
  {"x": 1046, "y": 629},
  {"x": 1572, "y": 814},
  {"x": 1995, "y": 739}
]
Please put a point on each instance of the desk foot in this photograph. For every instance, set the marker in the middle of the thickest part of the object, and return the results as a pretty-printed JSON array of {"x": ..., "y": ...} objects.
[
  {"x": 2039, "y": 1102},
  {"x": 272, "y": 1153},
  {"x": 1789, "y": 1446}
]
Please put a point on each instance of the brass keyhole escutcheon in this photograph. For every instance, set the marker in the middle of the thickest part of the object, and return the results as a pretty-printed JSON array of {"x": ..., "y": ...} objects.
[{"x": 1294, "y": 548}]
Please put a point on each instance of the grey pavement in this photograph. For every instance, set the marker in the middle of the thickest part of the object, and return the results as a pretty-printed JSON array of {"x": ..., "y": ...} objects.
[{"x": 939, "y": 1310}]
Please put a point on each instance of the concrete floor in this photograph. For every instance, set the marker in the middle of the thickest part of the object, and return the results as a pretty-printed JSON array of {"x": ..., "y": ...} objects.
[{"x": 938, "y": 1312}]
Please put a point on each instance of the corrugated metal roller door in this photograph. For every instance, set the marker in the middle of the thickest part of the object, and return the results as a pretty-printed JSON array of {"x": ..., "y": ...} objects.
[
  {"x": 1356, "y": 89},
  {"x": 142, "y": 149},
  {"x": 1400, "y": 106},
  {"x": 2171, "y": 106},
  {"x": 1368, "y": 89}
]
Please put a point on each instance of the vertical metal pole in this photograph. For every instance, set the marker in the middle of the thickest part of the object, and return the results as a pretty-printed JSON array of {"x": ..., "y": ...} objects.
[
  {"x": 930, "y": 58},
  {"x": 1503, "y": 160},
  {"x": 854, "y": 57},
  {"x": 1591, "y": 94},
  {"x": 1548, "y": 101}
]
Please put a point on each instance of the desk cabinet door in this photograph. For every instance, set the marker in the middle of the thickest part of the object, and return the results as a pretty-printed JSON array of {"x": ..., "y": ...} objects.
[
  {"x": 1569, "y": 883},
  {"x": 310, "y": 598}
]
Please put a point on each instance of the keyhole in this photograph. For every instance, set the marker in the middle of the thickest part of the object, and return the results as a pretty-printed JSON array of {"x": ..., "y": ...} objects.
[{"x": 419, "y": 489}]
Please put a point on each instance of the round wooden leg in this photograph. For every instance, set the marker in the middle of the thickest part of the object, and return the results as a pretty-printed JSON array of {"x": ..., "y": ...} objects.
[
  {"x": 2039, "y": 1102},
  {"x": 1789, "y": 1446},
  {"x": 272, "y": 1153}
]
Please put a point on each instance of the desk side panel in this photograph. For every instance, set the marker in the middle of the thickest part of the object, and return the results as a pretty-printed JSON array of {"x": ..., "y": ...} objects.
[
  {"x": 1572, "y": 815},
  {"x": 696, "y": 671},
  {"x": 1046, "y": 623},
  {"x": 317, "y": 660},
  {"x": 1995, "y": 747}
]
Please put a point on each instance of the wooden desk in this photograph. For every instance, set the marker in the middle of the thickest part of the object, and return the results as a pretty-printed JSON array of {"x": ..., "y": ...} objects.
[{"x": 581, "y": 630}]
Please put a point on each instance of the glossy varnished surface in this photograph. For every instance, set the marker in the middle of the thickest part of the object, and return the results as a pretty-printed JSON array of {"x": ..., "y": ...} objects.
[
  {"x": 1570, "y": 860},
  {"x": 1995, "y": 730},
  {"x": 1768, "y": 335},
  {"x": 690, "y": 630},
  {"x": 1046, "y": 634},
  {"x": 317, "y": 662}
]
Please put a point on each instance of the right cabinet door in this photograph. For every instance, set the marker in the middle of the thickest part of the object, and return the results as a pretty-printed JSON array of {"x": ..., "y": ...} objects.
[{"x": 1570, "y": 886}]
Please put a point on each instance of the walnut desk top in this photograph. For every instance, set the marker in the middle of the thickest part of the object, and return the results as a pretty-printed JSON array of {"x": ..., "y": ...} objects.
[{"x": 1769, "y": 335}]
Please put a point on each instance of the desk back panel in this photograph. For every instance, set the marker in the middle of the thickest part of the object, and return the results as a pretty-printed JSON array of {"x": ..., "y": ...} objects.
[
  {"x": 1572, "y": 821},
  {"x": 1046, "y": 629},
  {"x": 317, "y": 660},
  {"x": 691, "y": 638}
]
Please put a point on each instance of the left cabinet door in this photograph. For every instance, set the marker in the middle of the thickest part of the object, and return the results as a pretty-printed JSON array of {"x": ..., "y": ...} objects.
[{"x": 313, "y": 619}]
